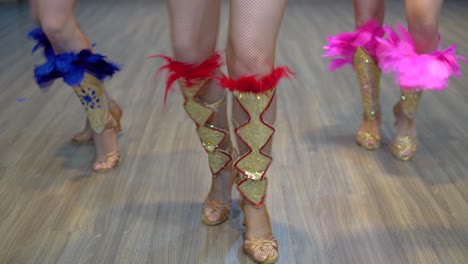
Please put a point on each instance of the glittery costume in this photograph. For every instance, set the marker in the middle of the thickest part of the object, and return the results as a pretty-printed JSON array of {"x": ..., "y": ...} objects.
[
  {"x": 358, "y": 49},
  {"x": 413, "y": 72},
  {"x": 404, "y": 147},
  {"x": 366, "y": 48},
  {"x": 255, "y": 97}
]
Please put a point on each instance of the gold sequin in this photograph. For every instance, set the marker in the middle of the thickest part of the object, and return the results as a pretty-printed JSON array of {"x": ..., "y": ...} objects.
[
  {"x": 368, "y": 74},
  {"x": 410, "y": 101},
  {"x": 94, "y": 100},
  {"x": 210, "y": 136},
  {"x": 255, "y": 133},
  {"x": 404, "y": 147},
  {"x": 254, "y": 191}
]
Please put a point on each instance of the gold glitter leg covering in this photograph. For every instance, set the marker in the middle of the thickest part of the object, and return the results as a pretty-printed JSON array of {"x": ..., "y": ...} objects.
[
  {"x": 94, "y": 99},
  {"x": 368, "y": 74},
  {"x": 404, "y": 147},
  {"x": 255, "y": 133},
  {"x": 211, "y": 138}
]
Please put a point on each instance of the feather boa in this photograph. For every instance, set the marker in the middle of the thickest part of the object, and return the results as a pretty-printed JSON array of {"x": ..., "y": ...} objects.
[
  {"x": 254, "y": 85},
  {"x": 344, "y": 45},
  {"x": 397, "y": 54},
  {"x": 191, "y": 73},
  {"x": 69, "y": 66}
]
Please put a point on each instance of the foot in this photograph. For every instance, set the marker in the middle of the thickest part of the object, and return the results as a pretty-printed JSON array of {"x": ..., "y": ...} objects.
[
  {"x": 259, "y": 242},
  {"x": 107, "y": 150},
  {"x": 368, "y": 135},
  {"x": 86, "y": 135},
  {"x": 404, "y": 143},
  {"x": 217, "y": 205}
]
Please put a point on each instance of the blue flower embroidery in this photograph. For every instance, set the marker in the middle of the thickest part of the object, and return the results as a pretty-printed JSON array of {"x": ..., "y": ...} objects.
[{"x": 88, "y": 98}]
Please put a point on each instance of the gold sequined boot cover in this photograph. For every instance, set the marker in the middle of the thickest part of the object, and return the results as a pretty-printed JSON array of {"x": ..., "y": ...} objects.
[
  {"x": 255, "y": 134},
  {"x": 368, "y": 74},
  {"x": 194, "y": 80},
  {"x": 210, "y": 136}
]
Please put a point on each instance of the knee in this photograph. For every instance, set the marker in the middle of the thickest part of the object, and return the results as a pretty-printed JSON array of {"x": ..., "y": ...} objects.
[
  {"x": 424, "y": 28},
  {"x": 55, "y": 29},
  {"x": 250, "y": 56},
  {"x": 189, "y": 49},
  {"x": 425, "y": 35}
]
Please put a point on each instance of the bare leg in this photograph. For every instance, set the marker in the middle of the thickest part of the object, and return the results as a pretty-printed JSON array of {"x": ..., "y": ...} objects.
[{"x": 366, "y": 10}]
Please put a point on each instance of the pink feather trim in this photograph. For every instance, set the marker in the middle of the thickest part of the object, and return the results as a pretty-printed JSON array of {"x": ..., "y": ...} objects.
[
  {"x": 344, "y": 45},
  {"x": 251, "y": 84},
  {"x": 397, "y": 54},
  {"x": 191, "y": 73}
]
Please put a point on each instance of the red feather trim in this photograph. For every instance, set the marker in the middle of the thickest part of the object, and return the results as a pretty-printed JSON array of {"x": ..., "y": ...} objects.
[
  {"x": 190, "y": 72},
  {"x": 251, "y": 84}
]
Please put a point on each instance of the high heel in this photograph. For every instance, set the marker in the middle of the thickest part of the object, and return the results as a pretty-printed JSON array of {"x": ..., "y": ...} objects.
[
  {"x": 404, "y": 147},
  {"x": 263, "y": 250},
  {"x": 260, "y": 250},
  {"x": 214, "y": 212},
  {"x": 109, "y": 161}
]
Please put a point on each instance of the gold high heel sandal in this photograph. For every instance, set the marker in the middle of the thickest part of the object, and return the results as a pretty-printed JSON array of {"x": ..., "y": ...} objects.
[
  {"x": 404, "y": 147},
  {"x": 261, "y": 250},
  {"x": 368, "y": 74},
  {"x": 264, "y": 251},
  {"x": 93, "y": 98},
  {"x": 108, "y": 162},
  {"x": 214, "y": 212},
  {"x": 211, "y": 137}
]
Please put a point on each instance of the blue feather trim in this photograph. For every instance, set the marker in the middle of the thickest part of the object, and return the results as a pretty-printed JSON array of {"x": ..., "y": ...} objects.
[{"x": 69, "y": 66}]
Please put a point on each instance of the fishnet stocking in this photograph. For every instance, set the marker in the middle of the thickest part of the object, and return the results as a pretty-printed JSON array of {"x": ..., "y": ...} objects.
[
  {"x": 194, "y": 33},
  {"x": 253, "y": 30},
  {"x": 194, "y": 29}
]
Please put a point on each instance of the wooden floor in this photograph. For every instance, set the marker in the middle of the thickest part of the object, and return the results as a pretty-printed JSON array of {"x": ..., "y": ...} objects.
[{"x": 331, "y": 202}]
